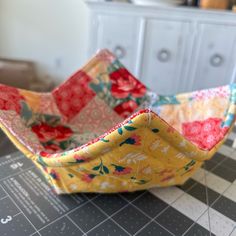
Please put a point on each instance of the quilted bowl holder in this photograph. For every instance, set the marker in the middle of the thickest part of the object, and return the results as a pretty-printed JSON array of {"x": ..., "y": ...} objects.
[{"x": 102, "y": 130}]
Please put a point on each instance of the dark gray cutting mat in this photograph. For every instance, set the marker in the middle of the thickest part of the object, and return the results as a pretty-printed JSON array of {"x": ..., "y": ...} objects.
[{"x": 29, "y": 207}]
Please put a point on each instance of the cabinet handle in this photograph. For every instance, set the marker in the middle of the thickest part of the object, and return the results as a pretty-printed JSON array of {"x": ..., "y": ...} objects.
[
  {"x": 163, "y": 55},
  {"x": 216, "y": 60},
  {"x": 120, "y": 52}
]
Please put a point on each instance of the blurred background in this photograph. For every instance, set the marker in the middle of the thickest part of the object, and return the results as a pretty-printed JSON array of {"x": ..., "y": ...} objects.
[
  {"x": 171, "y": 45},
  {"x": 51, "y": 34}
]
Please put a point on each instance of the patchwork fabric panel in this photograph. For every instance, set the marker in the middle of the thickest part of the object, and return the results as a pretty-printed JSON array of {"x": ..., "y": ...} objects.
[
  {"x": 73, "y": 95},
  {"x": 119, "y": 89},
  {"x": 47, "y": 105},
  {"x": 13, "y": 123},
  {"x": 10, "y": 99},
  {"x": 204, "y": 133},
  {"x": 200, "y": 124},
  {"x": 89, "y": 119}
]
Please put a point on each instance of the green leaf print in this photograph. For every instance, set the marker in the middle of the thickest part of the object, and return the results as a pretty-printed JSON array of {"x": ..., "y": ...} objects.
[
  {"x": 129, "y": 128},
  {"x": 155, "y": 130},
  {"x": 41, "y": 161},
  {"x": 51, "y": 120},
  {"x": 106, "y": 170},
  {"x": 101, "y": 168},
  {"x": 70, "y": 175},
  {"x": 65, "y": 144},
  {"x": 26, "y": 112},
  {"x": 120, "y": 131},
  {"x": 126, "y": 127},
  {"x": 130, "y": 141},
  {"x": 116, "y": 65},
  {"x": 187, "y": 167},
  {"x": 104, "y": 140},
  {"x": 96, "y": 167},
  {"x": 139, "y": 181},
  {"x": 162, "y": 100}
]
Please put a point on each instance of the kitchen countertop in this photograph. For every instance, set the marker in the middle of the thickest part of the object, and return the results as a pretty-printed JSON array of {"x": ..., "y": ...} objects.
[
  {"x": 151, "y": 7},
  {"x": 28, "y": 206}
]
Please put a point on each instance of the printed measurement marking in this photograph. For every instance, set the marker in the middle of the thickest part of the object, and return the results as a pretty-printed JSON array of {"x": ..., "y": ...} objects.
[
  {"x": 3, "y": 198},
  {"x": 16, "y": 165},
  {"x": 17, "y": 214},
  {"x": 6, "y": 220}
]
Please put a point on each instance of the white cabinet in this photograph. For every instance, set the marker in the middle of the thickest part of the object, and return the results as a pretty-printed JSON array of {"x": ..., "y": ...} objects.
[
  {"x": 120, "y": 35},
  {"x": 165, "y": 51},
  {"x": 169, "y": 49},
  {"x": 215, "y": 55}
]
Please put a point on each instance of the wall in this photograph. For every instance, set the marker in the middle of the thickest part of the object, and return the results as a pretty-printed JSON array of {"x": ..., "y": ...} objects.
[{"x": 50, "y": 32}]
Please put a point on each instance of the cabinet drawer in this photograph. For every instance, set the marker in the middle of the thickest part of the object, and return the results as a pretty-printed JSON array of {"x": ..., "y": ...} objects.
[
  {"x": 215, "y": 56},
  {"x": 120, "y": 35},
  {"x": 165, "y": 52}
]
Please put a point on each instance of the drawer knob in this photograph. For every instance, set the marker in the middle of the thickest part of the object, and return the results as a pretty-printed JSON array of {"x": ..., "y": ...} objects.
[
  {"x": 120, "y": 52},
  {"x": 163, "y": 55},
  {"x": 216, "y": 60}
]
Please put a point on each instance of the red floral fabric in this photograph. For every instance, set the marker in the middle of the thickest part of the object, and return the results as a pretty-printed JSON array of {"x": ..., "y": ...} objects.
[
  {"x": 10, "y": 98},
  {"x": 52, "y": 147},
  {"x": 124, "y": 84},
  {"x": 72, "y": 96},
  {"x": 126, "y": 108},
  {"x": 206, "y": 134},
  {"x": 47, "y": 133},
  {"x": 54, "y": 174},
  {"x": 88, "y": 177},
  {"x": 124, "y": 171}
]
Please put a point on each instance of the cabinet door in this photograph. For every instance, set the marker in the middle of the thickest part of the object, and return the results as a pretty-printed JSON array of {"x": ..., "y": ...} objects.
[
  {"x": 120, "y": 35},
  {"x": 215, "y": 56},
  {"x": 166, "y": 55}
]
